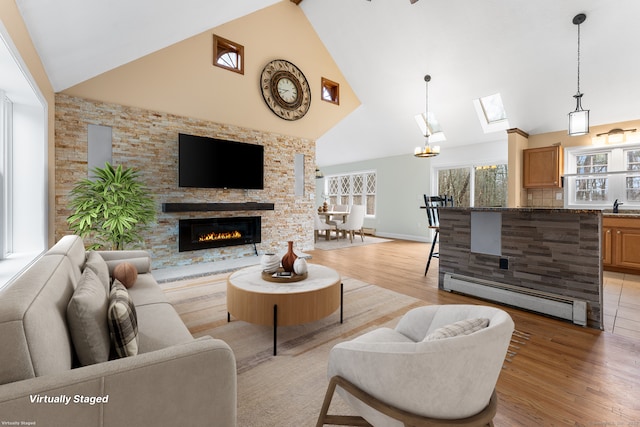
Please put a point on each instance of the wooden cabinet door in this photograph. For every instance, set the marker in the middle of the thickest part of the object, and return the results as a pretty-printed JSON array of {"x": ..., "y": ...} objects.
[
  {"x": 628, "y": 247},
  {"x": 607, "y": 246},
  {"x": 542, "y": 167}
]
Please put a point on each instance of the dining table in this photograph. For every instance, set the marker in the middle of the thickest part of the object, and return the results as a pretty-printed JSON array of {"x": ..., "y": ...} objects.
[{"x": 329, "y": 215}]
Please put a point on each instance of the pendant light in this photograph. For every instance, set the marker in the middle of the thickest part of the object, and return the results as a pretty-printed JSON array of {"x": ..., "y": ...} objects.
[
  {"x": 427, "y": 150},
  {"x": 579, "y": 119}
]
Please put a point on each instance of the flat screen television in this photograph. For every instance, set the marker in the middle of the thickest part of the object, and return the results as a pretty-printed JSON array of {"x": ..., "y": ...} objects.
[{"x": 217, "y": 163}]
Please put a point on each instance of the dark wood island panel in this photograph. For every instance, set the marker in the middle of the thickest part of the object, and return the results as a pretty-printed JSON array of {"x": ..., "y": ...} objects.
[{"x": 557, "y": 251}]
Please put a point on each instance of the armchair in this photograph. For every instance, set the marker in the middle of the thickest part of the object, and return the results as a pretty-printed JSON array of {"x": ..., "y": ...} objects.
[{"x": 414, "y": 376}]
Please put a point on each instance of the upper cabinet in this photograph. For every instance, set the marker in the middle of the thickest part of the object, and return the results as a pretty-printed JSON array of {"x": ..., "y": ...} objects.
[{"x": 543, "y": 167}]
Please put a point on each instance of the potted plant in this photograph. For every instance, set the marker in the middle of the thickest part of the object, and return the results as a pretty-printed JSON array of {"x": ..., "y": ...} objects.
[{"x": 113, "y": 209}]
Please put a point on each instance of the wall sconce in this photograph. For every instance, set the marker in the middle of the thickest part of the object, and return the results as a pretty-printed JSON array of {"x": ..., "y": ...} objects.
[
  {"x": 614, "y": 136},
  {"x": 319, "y": 174}
]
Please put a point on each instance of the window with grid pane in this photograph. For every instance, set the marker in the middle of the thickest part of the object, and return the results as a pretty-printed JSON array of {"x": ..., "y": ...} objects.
[
  {"x": 352, "y": 189},
  {"x": 478, "y": 186},
  {"x": 591, "y": 188},
  {"x": 633, "y": 181},
  {"x": 595, "y": 177}
]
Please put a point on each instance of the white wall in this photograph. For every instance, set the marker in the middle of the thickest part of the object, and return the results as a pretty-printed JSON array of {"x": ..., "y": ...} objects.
[{"x": 402, "y": 181}]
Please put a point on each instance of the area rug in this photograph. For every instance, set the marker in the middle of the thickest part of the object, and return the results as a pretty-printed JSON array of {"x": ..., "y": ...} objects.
[
  {"x": 287, "y": 389},
  {"x": 328, "y": 245}
]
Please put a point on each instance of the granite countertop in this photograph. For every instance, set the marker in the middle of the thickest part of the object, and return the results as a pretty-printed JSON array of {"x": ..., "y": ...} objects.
[
  {"x": 526, "y": 209},
  {"x": 627, "y": 213}
]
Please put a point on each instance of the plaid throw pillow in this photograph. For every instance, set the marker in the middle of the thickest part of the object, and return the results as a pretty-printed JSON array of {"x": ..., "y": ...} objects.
[
  {"x": 123, "y": 323},
  {"x": 462, "y": 327}
]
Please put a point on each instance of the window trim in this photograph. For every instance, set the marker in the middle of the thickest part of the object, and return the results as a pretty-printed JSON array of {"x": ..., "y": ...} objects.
[
  {"x": 222, "y": 46},
  {"x": 6, "y": 169},
  {"x": 330, "y": 88}
]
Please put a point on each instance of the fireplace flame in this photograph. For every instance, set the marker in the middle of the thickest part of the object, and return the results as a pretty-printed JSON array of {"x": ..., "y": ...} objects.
[{"x": 219, "y": 236}]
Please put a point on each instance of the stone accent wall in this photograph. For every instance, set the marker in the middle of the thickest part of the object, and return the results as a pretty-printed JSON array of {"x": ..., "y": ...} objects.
[
  {"x": 148, "y": 141},
  {"x": 551, "y": 250}
]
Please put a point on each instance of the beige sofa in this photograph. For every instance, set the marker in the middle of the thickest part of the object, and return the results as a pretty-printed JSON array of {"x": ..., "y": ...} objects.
[{"x": 173, "y": 380}]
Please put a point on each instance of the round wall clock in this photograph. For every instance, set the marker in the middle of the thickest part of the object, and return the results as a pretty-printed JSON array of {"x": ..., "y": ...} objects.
[{"x": 285, "y": 89}]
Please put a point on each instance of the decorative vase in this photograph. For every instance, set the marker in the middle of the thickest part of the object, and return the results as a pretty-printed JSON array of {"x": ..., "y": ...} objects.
[
  {"x": 300, "y": 266},
  {"x": 289, "y": 258},
  {"x": 325, "y": 207},
  {"x": 270, "y": 262}
]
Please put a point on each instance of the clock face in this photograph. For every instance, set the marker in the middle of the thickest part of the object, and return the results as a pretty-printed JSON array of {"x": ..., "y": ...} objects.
[{"x": 285, "y": 89}]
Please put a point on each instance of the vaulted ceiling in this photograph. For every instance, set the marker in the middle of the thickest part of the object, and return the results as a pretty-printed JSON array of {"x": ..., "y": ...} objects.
[{"x": 525, "y": 50}]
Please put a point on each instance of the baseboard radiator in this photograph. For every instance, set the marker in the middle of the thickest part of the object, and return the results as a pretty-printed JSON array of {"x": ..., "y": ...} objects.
[{"x": 516, "y": 296}]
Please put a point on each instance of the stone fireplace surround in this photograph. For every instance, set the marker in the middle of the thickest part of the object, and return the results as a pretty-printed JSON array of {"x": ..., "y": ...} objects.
[{"x": 148, "y": 141}]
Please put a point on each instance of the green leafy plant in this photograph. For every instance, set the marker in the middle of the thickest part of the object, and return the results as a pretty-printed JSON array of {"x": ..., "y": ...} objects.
[{"x": 113, "y": 209}]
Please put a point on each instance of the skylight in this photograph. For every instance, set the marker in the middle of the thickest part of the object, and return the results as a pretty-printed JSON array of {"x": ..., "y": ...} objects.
[
  {"x": 493, "y": 108},
  {"x": 491, "y": 113}
]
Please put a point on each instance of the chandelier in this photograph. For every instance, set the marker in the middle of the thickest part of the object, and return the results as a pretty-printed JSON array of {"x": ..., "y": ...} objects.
[{"x": 428, "y": 150}]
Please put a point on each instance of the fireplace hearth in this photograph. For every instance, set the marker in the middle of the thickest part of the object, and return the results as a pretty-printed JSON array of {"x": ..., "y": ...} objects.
[{"x": 206, "y": 233}]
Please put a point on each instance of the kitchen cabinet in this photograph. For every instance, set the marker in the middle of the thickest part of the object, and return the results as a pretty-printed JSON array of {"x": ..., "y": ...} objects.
[
  {"x": 543, "y": 167},
  {"x": 621, "y": 244}
]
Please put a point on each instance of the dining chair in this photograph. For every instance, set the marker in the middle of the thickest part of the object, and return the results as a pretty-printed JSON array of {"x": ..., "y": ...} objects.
[
  {"x": 354, "y": 222},
  {"x": 319, "y": 225},
  {"x": 432, "y": 204},
  {"x": 338, "y": 219}
]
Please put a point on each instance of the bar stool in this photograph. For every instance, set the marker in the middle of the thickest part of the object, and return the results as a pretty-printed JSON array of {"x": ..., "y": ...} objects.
[{"x": 432, "y": 204}]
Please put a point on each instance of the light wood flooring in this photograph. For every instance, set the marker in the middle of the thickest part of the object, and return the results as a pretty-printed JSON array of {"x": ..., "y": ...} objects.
[{"x": 557, "y": 373}]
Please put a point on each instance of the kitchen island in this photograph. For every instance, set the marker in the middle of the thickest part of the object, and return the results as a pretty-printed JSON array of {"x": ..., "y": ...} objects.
[{"x": 544, "y": 257}]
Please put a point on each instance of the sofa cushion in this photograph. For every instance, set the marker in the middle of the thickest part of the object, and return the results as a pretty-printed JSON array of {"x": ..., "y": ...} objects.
[
  {"x": 160, "y": 326},
  {"x": 87, "y": 317},
  {"x": 142, "y": 264},
  {"x": 462, "y": 327},
  {"x": 99, "y": 266},
  {"x": 123, "y": 322}
]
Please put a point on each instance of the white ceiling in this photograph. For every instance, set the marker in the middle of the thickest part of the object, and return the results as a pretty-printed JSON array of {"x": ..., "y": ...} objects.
[{"x": 524, "y": 49}]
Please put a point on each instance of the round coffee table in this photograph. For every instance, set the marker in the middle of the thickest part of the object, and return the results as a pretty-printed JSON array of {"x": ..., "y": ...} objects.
[{"x": 255, "y": 300}]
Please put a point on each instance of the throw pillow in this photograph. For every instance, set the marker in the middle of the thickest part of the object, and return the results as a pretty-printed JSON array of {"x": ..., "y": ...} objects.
[
  {"x": 462, "y": 327},
  {"x": 99, "y": 266},
  {"x": 87, "y": 319},
  {"x": 126, "y": 274},
  {"x": 123, "y": 322}
]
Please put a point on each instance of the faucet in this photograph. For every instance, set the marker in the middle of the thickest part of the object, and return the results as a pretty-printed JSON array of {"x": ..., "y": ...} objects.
[{"x": 615, "y": 206}]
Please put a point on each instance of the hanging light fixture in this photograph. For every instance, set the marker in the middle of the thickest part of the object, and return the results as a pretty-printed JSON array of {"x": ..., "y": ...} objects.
[
  {"x": 428, "y": 150},
  {"x": 579, "y": 119}
]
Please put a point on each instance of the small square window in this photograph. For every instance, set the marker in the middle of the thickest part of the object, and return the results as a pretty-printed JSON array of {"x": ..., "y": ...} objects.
[
  {"x": 330, "y": 91},
  {"x": 228, "y": 55}
]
